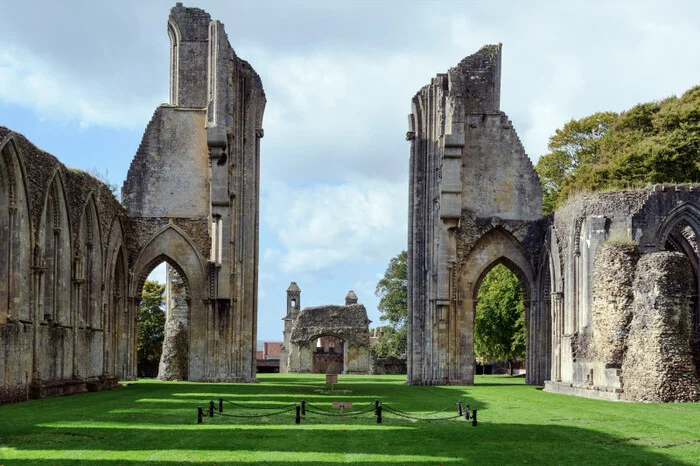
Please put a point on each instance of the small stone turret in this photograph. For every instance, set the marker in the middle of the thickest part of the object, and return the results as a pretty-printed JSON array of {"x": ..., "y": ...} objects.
[
  {"x": 350, "y": 298},
  {"x": 293, "y": 298},
  {"x": 293, "y": 309}
]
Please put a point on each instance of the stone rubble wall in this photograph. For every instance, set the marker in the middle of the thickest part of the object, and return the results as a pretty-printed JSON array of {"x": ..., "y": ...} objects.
[
  {"x": 658, "y": 364},
  {"x": 613, "y": 298}
]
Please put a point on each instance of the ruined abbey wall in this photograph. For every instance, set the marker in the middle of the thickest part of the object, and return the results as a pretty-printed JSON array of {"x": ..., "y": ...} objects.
[
  {"x": 475, "y": 201},
  {"x": 609, "y": 313},
  {"x": 192, "y": 193},
  {"x": 63, "y": 327},
  {"x": 625, "y": 313},
  {"x": 74, "y": 260}
]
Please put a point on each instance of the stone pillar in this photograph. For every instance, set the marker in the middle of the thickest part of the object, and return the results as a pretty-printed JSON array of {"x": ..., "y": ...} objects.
[{"x": 557, "y": 300}]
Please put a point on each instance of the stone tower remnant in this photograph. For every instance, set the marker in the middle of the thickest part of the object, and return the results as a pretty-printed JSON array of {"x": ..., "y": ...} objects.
[
  {"x": 192, "y": 194},
  {"x": 74, "y": 261},
  {"x": 475, "y": 201}
]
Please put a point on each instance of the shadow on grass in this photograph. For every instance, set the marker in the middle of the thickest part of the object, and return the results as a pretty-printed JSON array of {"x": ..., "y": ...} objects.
[{"x": 453, "y": 442}]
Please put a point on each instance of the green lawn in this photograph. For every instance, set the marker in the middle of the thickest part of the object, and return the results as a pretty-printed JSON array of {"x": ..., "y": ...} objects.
[{"x": 155, "y": 422}]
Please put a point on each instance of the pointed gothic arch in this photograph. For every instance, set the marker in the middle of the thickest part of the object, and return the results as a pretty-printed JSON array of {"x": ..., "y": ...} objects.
[
  {"x": 497, "y": 246},
  {"x": 15, "y": 237},
  {"x": 172, "y": 245}
]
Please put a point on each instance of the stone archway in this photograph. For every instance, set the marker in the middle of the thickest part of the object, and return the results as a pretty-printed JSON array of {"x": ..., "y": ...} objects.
[
  {"x": 328, "y": 354},
  {"x": 497, "y": 246},
  {"x": 172, "y": 246}
]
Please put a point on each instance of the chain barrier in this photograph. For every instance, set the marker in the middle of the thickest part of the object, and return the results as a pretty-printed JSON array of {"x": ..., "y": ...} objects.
[
  {"x": 303, "y": 407},
  {"x": 249, "y": 416},
  {"x": 405, "y": 415}
]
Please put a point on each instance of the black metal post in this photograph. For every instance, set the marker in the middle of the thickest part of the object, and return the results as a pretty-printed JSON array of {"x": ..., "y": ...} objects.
[
  {"x": 376, "y": 407},
  {"x": 474, "y": 418},
  {"x": 303, "y": 407},
  {"x": 211, "y": 408},
  {"x": 298, "y": 420},
  {"x": 221, "y": 405},
  {"x": 459, "y": 406},
  {"x": 379, "y": 414},
  {"x": 199, "y": 415},
  {"x": 466, "y": 412}
]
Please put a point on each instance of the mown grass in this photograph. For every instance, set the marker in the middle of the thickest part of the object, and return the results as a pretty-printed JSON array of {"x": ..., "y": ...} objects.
[{"x": 155, "y": 422}]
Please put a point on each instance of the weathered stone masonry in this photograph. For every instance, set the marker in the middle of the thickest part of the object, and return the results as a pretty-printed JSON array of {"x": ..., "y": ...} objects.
[
  {"x": 64, "y": 323},
  {"x": 626, "y": 326},
  {"x": 193, "y": 192},
  {"x": 608, "y": 314},
  {"x": 73, "y": 260},
  {"x": 305, "y": 328},
  {"x": 475, "y": 201}
]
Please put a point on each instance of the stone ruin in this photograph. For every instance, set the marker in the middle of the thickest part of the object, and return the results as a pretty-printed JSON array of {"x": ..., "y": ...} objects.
[
  {"x": 610, "y": 280},
  {"x": 327, "y": 339},
  {"x": 74, "y": 260}
]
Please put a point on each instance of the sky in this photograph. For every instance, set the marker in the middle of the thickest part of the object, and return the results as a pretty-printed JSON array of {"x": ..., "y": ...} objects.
[{"x": 81, "y": 80}]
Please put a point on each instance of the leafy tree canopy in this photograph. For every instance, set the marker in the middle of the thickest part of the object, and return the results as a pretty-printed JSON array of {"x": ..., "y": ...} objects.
[
  {"x": 391, "y": 342},
  {"x": 392, "y": 291},
  {"x": 499, "y": 323},
  {"x": 655, "y": 142}
]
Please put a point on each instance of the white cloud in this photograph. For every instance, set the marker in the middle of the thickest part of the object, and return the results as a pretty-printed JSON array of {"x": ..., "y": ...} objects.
[
  {"x": 323, "y": 225},
  {"x": 29, "y": 81}
]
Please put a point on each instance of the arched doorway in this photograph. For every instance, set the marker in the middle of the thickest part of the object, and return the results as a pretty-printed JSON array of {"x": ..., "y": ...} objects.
[
  {"x": 186, "y": 304},
  {"x": 328, "y": 355},
  {"x": 163, "y": 324},
  {"x": 498, "y": 246},
  {"x": 499, "y": 322}
]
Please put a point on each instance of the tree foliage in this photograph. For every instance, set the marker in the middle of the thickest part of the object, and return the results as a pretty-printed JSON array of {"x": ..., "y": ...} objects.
[
  {"x": 392, "y": 291},
  {"x": 655, "y": 142},
  {"x": 574, "y": 145},
  {"x": 499, "y": 323},
  {"x": 150, "y": 325},
  {"x": 391, "y": 342}
]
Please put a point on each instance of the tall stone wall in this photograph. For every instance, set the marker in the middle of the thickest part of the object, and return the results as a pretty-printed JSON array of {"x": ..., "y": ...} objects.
[
  {"x": 629, "y": 314},
  {"x": 192, "y": 193},
  {"x": 73, "y": 260},
  {"x": 475, "y": 200},
  {"x": 63, "y": 325}
]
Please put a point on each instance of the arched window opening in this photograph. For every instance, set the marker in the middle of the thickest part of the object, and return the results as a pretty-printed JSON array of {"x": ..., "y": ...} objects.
[
  {"x": 55, "y": 237},
  {"x": 683, "y": 238}
]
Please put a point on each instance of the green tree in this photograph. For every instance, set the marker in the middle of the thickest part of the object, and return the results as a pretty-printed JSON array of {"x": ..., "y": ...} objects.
[
  {"x": 576, "y": 144},
  {"x": 392, "y": 291},
  {"x": 499, "y": 323},
  {"x": 150, "y": 325},
  {"x": 391, "y": 342},
  {"x": 654, "y": 142}
]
